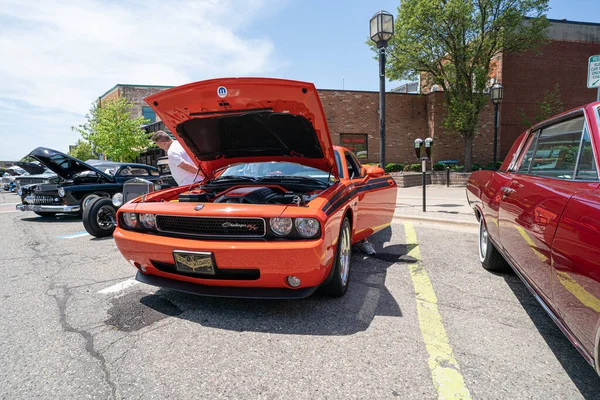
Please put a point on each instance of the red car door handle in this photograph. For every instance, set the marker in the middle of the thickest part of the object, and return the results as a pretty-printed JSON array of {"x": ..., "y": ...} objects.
[{"x": 507, "y": 191}]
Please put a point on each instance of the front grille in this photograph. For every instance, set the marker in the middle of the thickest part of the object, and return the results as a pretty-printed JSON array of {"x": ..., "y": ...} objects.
[
  {"x": 47, "y": 187},
  {"x": 135, "y": 189},
  {"x": 43, "y": 200},
  {"x": 6, "y": 180},
  {"x": 29, "y": 181},
  {"x": 246, "y": 274},
  {"x": 211, "y": 227}
]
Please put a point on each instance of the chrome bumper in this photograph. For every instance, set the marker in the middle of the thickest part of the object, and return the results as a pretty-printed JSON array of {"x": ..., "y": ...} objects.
[{"x": 47, "y": 208}]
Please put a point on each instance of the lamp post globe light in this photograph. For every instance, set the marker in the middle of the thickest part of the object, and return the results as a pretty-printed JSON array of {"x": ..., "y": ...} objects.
[
  {"x": 381, "y": 30},
  {"x": 496, "y": 94}
]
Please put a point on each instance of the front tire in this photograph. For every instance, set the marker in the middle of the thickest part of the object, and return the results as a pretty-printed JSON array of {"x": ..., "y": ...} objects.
[
  {"x": 490, "y": 257},
  {"x": 99, "y": 217},
  {"x": 341, "y": 266}
]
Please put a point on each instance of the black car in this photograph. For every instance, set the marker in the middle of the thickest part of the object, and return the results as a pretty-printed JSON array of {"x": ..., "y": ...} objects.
[{"x": 79, "y": 183}]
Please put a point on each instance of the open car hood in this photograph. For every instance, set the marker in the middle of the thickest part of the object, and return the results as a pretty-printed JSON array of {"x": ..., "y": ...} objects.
[
  {"x": 31, "y": 168},
  {"x": 238, "y": 120},
  {"x": 64, "y": 165}
]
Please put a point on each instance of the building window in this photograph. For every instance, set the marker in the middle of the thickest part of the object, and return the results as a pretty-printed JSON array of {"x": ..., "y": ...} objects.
[
  {"x": 358, "y": 143},
  {"x": 149, "y": 114}
]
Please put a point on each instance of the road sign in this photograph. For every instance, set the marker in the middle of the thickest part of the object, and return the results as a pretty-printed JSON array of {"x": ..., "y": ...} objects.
[{"x": 593, "y": 80}]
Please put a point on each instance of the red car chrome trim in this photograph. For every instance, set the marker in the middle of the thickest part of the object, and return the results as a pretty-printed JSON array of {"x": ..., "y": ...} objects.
[{"x": 566, "y": 331}]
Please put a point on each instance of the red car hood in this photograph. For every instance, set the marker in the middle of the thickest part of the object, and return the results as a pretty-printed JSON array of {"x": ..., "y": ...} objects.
[{"x": 238, "y": 120}]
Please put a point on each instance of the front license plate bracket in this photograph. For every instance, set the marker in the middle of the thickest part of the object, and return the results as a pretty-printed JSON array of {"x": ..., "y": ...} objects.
[{"x": 194, "y": 262}]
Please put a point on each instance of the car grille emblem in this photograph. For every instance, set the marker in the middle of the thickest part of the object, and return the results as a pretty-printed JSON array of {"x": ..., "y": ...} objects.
[
  {"x": 199, "y": 207},
  {"x": 250, "y": 227}
]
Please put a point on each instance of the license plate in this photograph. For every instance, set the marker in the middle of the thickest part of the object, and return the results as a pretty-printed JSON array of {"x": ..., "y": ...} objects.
[{"x": 201, "y": 263}]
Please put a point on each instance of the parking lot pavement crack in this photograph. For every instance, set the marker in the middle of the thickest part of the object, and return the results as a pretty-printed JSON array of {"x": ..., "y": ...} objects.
[
  {"x": 61, "y": 295},
  {"x": 137, "y": 337}
]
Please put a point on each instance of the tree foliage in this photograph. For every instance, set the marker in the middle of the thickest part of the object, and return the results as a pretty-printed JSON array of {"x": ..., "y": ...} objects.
[
  {"x": 549, "y": 106},
  {"x": 452, "y": 44},
  {"x": 82, "y": 150},
  {"x": 111, "y": 130}
]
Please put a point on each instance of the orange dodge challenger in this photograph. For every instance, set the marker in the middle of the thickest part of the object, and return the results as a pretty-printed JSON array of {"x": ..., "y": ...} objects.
[{"x": 279, "y": 208}]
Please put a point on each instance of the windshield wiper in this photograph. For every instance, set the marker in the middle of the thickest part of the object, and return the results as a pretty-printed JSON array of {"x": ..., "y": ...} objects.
[
  {"x": 228, "y": 178},
  {"x": 302, "y": 179}
]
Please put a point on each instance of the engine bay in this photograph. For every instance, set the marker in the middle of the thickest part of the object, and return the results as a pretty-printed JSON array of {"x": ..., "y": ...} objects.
[{"x": 259, "y": 194}]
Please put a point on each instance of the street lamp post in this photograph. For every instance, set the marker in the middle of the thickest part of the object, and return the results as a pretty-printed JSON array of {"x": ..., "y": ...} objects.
[
  {"x": 381, "y": 30},
  {"x": 496, "y": 94}
]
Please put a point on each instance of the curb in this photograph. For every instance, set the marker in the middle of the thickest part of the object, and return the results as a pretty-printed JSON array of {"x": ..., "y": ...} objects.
[{"x": 411, "y": 218}]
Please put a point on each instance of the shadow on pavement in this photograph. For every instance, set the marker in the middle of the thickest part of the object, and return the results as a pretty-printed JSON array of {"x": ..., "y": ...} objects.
[
  {"x": 367, "y": 297},
  {"x": 580, "y": 372},
  {"x": 96, "y": 239},
  {"x": 61, "y": 218}
]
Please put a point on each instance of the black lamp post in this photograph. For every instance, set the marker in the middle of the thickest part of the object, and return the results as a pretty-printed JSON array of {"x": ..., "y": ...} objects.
[
  {"x": 496, "y": 94},
  {"x": 381, "y": 30}
]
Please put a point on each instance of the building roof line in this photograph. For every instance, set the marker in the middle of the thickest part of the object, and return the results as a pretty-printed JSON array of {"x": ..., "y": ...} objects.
[
  {"x": 566, "y": 21},
  {"x": 132, "y": 85},
  {"x": 360, "y": 91}
]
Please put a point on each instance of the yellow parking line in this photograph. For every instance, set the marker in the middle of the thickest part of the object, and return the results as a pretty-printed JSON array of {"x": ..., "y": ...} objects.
[{"x": 445, "y": 372}]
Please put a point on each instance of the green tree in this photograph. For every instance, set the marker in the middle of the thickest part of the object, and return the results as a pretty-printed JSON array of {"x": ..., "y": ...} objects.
[
  {"x": 452, "y": 44},
  {"x": 551, "y": 105},
  {"x": 111, "y": 130},
  {"x": 82, "y": 150}
]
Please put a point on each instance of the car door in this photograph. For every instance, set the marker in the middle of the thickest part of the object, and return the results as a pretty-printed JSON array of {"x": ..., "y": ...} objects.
[
  {"x": 532, "y": 204},
  {"x": 576, "y": 253},
  {"x": 376, "y": 198}
]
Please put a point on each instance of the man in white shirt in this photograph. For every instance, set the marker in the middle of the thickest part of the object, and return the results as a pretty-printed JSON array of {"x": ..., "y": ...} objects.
[{"x": 181, "y": 165}]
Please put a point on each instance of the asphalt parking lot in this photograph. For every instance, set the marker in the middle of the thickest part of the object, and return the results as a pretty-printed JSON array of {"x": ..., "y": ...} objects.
[{"x": 421, "y": 320}]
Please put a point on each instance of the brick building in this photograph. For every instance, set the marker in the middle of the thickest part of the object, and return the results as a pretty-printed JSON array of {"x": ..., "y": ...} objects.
[{"x": 353, "y": 116}]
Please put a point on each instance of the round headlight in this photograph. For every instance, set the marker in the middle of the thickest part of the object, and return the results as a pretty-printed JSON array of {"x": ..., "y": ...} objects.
[
  {"x": 130, "y": 219},
  {"x": 117, "y": 199},
  {"x": 148, "y": 221},
  {"x": 281, "y": 226},
  {"x": 61, "y": 192},
  {"x": 307, "y": 227}
]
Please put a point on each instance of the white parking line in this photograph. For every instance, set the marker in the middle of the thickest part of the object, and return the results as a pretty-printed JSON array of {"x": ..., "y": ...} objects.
[
  {"x": 74, "y": 235},
  {"x": 119, "y": 286}
]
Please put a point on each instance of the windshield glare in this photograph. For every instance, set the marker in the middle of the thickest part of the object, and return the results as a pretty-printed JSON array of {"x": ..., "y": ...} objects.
[{"x": 274, "y": 169}]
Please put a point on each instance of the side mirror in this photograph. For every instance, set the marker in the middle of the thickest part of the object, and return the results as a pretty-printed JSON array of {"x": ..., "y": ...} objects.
[{"x": 375, "y": 172}]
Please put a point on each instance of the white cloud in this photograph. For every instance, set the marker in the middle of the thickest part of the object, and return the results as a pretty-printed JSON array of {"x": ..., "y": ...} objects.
[{"x": 58, "y": 56}]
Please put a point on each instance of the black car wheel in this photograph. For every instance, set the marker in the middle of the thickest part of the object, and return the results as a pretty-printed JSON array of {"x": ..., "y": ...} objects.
[
  {"x": 45, "y": 213},
  {"x": 99, "y": 217},
  {"x": 341, "y": 266},
  {"x": 490, "y": 257}
]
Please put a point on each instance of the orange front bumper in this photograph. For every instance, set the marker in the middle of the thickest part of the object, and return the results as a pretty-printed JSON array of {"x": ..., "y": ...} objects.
[{"x": 275, "y": 260}]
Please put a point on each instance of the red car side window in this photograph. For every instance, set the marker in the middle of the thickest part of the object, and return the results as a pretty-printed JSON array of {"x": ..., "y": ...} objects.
[
  {"x": 586, "y": 168},
  {"x": 527, "y": 153},
  {"x": 557, "y": 149}
]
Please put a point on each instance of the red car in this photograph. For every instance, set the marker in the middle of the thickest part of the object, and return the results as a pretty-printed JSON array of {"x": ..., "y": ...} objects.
[
  {"x": 279, "y": 208},
  {"x": 540, "y": 213}
]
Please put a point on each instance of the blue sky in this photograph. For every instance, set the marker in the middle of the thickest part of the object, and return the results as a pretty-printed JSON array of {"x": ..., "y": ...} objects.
[{"x": 60, "y": 56}]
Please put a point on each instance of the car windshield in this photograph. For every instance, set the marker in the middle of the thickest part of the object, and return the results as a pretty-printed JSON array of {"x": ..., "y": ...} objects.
[{"x": 260, "y": 170}]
